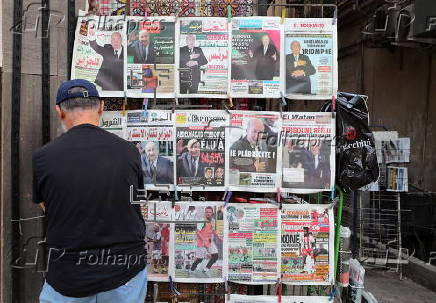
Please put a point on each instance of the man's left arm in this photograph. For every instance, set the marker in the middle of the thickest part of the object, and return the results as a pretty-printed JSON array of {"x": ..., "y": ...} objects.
[{"x": 308, "y": 68}]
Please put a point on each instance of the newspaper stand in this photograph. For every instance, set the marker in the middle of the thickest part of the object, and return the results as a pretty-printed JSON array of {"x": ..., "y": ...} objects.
[{"x": 217, "y": 292}]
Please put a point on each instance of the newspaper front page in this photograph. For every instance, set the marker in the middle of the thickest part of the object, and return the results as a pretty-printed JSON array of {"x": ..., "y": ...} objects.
[
  {"x": 150, "y": 57},
  {"x": 256, "y": 57},
  {"x": 114, "y": 122},
  {"x": 307, "y": 152},
  {"x": 307, "y": 244},
  {"x": 98, "y": 53},
  {"x": 152, "y": 132},
  {"x": 198, "y": 242},
  {"x": 200, "y": 149},
  {"x": 253, "y": 243},
  {"x": 252, "y": 148},
  {"x": 310, "y": 64},
  {"x": 158, "y": 239},
  {"x": 203, "y": 52}
]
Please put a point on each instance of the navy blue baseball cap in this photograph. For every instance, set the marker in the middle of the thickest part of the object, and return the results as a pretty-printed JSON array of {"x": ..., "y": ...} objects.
[{"x": 64, "y": 91}]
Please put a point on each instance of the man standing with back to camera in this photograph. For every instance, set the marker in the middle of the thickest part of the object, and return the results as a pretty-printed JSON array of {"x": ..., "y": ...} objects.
[{"x": 82, "y": 179}]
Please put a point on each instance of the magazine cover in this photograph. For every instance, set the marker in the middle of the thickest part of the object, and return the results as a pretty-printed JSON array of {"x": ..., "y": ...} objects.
[
  {"x": 256, "y": 57},
  {"x": 310, "y": 48},
  {"x": 203, "y": 52},
  {"x": 307, "y": 244},
  {"x": 252, "y": 148},
  {"x": 198, "y": 242},
  {"x": 397, "y": 179},
  {"x": 253, "y": 243},
  {"x": 152, "y": 132},
  {"x": 150, "y": 57},
  {"x": 307, "y": 152},
  {"x": 158, "y": 239},
  {"x": 200, "y": 149},
  {"x": 98, "y": 53}
]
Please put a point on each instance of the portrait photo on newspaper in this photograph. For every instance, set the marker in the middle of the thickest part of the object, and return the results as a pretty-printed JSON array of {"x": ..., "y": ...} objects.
[{"x": 252, "y": 149}]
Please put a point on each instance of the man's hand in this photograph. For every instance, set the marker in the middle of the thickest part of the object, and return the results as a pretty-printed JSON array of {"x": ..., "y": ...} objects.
[
  {"x": 260, "y": 166},
  {"x": 194, "y": 56},
  {"x": 298, "y": 73},
  {"x": 42, "y": 205},
  {"x": 301, "y": 63},
  {"x": 274, "y": 56},
  {"x": 250, "y": 53},
  {"x": 191, "y": 63}
]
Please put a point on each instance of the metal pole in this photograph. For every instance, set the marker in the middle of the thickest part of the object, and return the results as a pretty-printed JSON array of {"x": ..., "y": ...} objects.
[
  {"x": 15, "y": 143},
  {"x": 337, "y": 229}
]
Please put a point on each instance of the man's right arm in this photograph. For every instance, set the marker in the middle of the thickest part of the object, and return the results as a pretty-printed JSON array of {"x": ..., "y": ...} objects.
[
  {"x": 97, "y": 48},
  {"x": 36, "y": 191}
]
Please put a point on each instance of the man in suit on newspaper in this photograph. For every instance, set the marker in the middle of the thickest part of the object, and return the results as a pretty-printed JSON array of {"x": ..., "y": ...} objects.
[
  {"x": 140, "y": 48},
  {"x": 189, "y": 163},
  {"x": 298, "y": 71},
  {"x": 265, "y": 57},
  {"x": 110, "y": 74},
  {"x": 191, "y": 58},
  {"x": 254, "y": 141},
  {"x": 157, "y": 170}
]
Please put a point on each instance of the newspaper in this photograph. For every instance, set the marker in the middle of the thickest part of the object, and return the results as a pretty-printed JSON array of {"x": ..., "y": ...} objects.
[
  {"x": 158, "y": 237},
  {"x": 203, "y": 51},
  {"x": 256, "y": 57},
  {"x": 106, "y": 7},
  {"x": 98, "y": 54},
  {"x": 310, "y": 62},
  {"x": 396, "y": 150},
  {"x": 275, "y": 299},
  {"x": 153, "y": 134},
  {"x": 307, "y": 248},
  {"x": 397, "y": 179},
  {"x": 307, "y": 152},
  {"x": 252, "y": 149},
  {"x": 198, "y": 246},
  {"x": 252, "y": 243},
  {"x": 114, "y": 122},
  {"x": 150, "y": 57},
  {"x": 200, "y": 149}
]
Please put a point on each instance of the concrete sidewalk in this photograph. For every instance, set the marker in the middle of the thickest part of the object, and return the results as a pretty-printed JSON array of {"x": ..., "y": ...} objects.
[{"x": 387, "y": 287}]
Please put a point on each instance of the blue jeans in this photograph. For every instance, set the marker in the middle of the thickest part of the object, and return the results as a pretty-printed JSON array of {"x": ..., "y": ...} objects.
[{"x": 133, "y": 291}]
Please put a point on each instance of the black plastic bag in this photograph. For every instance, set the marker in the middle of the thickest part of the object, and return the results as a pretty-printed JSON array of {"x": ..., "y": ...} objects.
[{"x": 356, "y": 159}]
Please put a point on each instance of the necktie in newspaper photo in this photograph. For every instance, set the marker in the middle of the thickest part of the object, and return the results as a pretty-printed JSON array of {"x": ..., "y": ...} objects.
[
  {"x": 153, "y": 171},
  {"x": 116, "y": 54},
  {"x": 144, "y": 53},
  {"x": 193, "y": 167}
]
